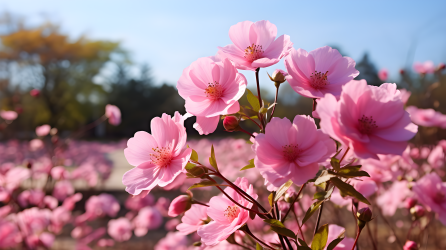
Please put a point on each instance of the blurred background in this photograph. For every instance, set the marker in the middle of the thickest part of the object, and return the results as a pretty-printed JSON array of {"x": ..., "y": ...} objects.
[{"x": 82, "y": 55}]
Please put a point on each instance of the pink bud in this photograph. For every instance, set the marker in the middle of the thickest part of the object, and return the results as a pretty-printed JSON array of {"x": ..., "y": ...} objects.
[
  {"x": 383, "y": 74},
  {"x": 35, "y": 93},
  {"x": 231, "y": 123},
  {"x": 410, "y": 202},
  {"x": 410, "y": 245},
  {"x": 402, "y": 71},
  {"x": 417, "y": 211},
  {"x": 441, "y": 66},
  {"x": 278, "y": 76},
  {"x": 179, "y": 205}
]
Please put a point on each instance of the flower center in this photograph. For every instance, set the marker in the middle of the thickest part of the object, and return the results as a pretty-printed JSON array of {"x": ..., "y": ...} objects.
[
  {"x": 231, "y": 212},
  {"x": 366, "y": 125},
  {"x": 214, "y": 91},
  {"x": 161, "y": 156},
  {"x": 290, "y": 152},
  {"x": 318, "y": 80},
  {"x": 253, "y": 52}
]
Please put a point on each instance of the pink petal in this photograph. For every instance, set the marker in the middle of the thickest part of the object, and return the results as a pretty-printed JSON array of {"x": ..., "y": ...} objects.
[
  {"x": 206, "y": 125},
  {"x": 139, "y": 148},
  {"x": 139, "y": 179},
  {"x": 266, "y": 33},
  {"x": 243, "y": 34}
]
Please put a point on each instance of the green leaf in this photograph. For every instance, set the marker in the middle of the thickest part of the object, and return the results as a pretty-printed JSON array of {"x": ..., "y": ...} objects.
[
  {"x": 263, "y": 110},
  {"x": 194, "y": 155},
  {"x": 313, "y": 208},
  {"x": 258, "y": 246},
  {"x": 320, "y": 238},
  {"x": 274, "y": 223},
  {"x": 250, "y": 165},
  {"x": 253, "y": 100},
  {"x": 319, "y": 195},
  {"x": 302, "y": 242},
  {"x": 335, "y": 164},
  {"x": 189, "y": 166},
  {"x": 205, "y": 183},
  {"x": 348, "y": 190},
  {"x": 271, "y": 199},
  {"x": 352, "y": 171},
  {"x": 195, "y": 171},
  {"x": 281, "y": 191},
  {"x": 197, "y": 244},
  {"x": 212, "y": 159},
  {"x": 284, "y": 232},
  {"x": 249, "y": 142},
  {"x": 324, "y": 177},
  {"x": 336, "y": 241}
]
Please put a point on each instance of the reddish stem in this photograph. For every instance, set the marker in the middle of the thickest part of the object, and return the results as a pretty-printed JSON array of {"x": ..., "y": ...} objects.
[
  {"x": 292, "y": 203},
  {"x": 357, "y": 237}
]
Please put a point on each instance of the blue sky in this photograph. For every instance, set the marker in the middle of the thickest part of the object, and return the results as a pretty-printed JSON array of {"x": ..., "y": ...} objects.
[{"x": 169, "y": 35}]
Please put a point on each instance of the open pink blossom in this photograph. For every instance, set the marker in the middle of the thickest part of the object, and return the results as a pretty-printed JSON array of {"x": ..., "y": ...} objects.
[
  {"x": 321, "y": 71},
  {"x": 59, "y": 218},
  {"x": 63, "y": 189},
  {"x": 43, "y": 130},
  {"x": 60, "y": 173},
  {"x": 10, "y": 236},
  {"x": 172, "y": 241},
  {"x": 291, "y": 151},
  {"x": 193, "y": 219},
  {"x": 120, "y": 229},
  {"x": 424, "y": 68},
  {"x": 101, "y": 205},
  {"x": 333, "y": 232},
  {"x": 393, "y": 198},
  {"x": 227, "y": 216},
  {"x": 254, "y": 45},
  {"x": 431, "y": 192},
  {"x": 427, "y": 117},
  {"x": 71, "y": 201},
  {"x": 113, "y": 114},
  {"x": 437, "y": 158},
  {"x": 370, "y": 120},
  {"x": 158, "y": 158},
  {"x": 147, "y": 219},
  {"x": 211, "y": 89},
  {"x": 8, "y": 115}
]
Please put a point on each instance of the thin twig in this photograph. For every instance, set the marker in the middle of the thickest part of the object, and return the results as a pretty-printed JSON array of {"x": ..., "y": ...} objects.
[
  {"x": 298, "y": 225},
  {"x": 275, "y": 103},
  {"x": 260, "y": 98},
  {"x": 292, "y": 203}
]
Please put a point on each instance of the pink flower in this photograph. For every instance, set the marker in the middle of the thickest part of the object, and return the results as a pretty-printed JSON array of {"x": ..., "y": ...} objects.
[
  {"x": 383, "y": 74},
  {"x": 33, "y": 220},
  {"x": 101, "y": 205},
  {"x": 319, "y": 72},
  {"x": 211, "y": 89},
  {"x": 193, "y": 219},
  {"x": 8, "y": 115},
  {"x": 393, "y": 198},
  {"x": 227, "y": 216},
  {"x": 105, "y": 243},
  {"x": 60, "y": 173},
  {"x": 147, "y": 219},
  {"x": 427, "y": 117},
  {"x": 370, "y": 120},
  {"x": 120, "y": 229},
  {"x": 63, "y": 189},
  {"x": 366, "y": 186},
  {"x": 179, "y": 205},
  {"x": 34, "y": 93},
  {"x": 139, "y": 201},
  {"x": 171, "y": 224},
  {"x": 113, "y": 114},
  {"x": 254, "y": 45},
  {"x": 159, "y": 158},
  {"x": 43, "y": 130},
  {"x": 59, "y": 218},
  {"x": 291, "y": 150},
  {"x": 36, "y": 144},
  {"x": 172, "y": 241},
  {"x": 424, "y": 68},
  {"x": 10, "y": 236},
  {"x": 410, "y": 245},
  {"x": 333, "y": 232},
  {"x": 431, "y": 192},
  {"x": 436, "y": 158},
  {"x": 69, "y": 202}
]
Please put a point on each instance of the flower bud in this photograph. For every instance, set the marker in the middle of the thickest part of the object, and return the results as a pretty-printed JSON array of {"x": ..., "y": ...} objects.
[
  {"x": 35, "y": 93},
  {"x": 410, "y": 245},
  {"x": 278, "y": 77},
  {"x": 231, "y": 123},
  {"x": 441, "y": 66},
  {"x": 364, "y": 215},
  {"x": 179, "y": 205},
  {"x": 402, "y": 71},
  {"x": 410, "y": 202},
  {"x": 417, "y": 211}
]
